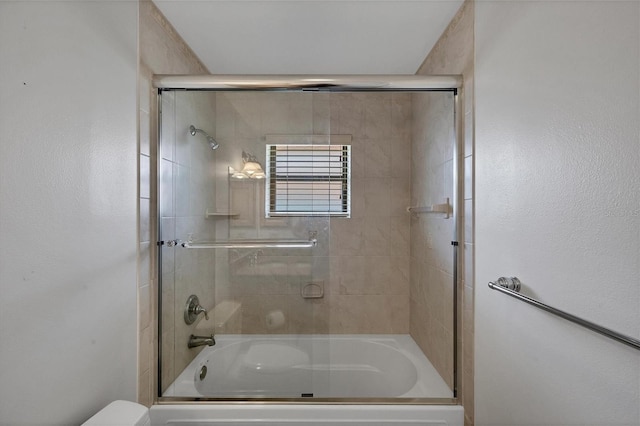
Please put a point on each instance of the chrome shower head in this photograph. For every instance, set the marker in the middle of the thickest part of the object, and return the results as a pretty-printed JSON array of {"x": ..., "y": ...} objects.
[{"x": 212, "y": 141}]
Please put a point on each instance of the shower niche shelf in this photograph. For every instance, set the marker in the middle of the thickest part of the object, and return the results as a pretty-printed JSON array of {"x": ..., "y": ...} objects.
[{"x": 214, "y": 214}]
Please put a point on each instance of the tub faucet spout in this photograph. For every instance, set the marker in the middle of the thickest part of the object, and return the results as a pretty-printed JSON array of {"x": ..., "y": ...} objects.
[{"x": 195, "y": 341}]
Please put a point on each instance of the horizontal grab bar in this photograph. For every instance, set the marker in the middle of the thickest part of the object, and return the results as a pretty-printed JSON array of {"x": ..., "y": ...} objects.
[
  {"x": 252, "y": 244},
  {"x": 514, "y": 283}
]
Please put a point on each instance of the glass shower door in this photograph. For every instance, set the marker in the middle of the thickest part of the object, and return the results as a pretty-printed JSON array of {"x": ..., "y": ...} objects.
[
  {"x": 263, "y": 281},
  {"x": 354, "y": 299}
]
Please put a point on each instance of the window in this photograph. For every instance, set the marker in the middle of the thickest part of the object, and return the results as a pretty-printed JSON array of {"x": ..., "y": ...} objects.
[{"x": 307, "y": 180}]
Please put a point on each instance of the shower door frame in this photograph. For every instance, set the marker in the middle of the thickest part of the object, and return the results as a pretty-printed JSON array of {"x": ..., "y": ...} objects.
[{"x": 328, "y": 84}]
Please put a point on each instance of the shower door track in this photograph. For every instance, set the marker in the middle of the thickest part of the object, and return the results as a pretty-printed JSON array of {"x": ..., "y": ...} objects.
[
  {"x": 344, "y": 83},
  {"x": 328, "y": 83}
]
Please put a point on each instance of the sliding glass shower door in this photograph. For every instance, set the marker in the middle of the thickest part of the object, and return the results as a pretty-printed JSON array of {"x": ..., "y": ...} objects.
[
  {"x": 289, "y": 264},
  {"x": 255, "y": 271}
]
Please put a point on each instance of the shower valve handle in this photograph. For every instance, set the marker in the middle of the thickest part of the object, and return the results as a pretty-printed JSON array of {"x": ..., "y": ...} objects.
[
  {"x": 200, "y": 310},
  {"x": 192, "y": 309}
]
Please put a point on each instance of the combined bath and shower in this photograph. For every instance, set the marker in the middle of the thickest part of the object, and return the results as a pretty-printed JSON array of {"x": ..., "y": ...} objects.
[{"x": 212, "y": 141}]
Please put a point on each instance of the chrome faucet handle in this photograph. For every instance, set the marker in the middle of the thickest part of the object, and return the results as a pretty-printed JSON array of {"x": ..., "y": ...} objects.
[
  {"x": 200, "y": 310},
  {"x": 192, "y": 309}
]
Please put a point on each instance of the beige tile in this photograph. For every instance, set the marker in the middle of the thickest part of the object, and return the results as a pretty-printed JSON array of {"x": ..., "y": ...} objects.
[
  {"x": 145, "y": 350},
  {"x": 144, "y": 388},
  {"x": 347, "y": 112},
  {"x": 469, "y": 276},
  {"x": 144, "y": 307},
  {"x": 377, "y": 193},
  {"x": 145, "y": 219},
  {"x": 416, "y": 292},
  {"x": 377, "y": 119},
  {"x": 377, "y": 158},
  {"x": 168, "y": 374},
  {"x": 347, "y": 237},
  {"x": 400, "y": 157},
  {"x": 166, "y": 202},
  {"x": 257, "y": 309},
  {"x": 347, "y": 274},
  {"x": 168, "y": 129},
  {"x": 468, "y": 221},
  {"x": 358, "y": 206},
  {"x": 400, "y": 196},
  {"x": 401, "y": 114},
  {"x": 468, "y": 134},
  {"x": 447, "y": 302},
  {"x": 145, "y": 177},
  {"x": 182, "y": 190},
  {"x": 468, "y": 177},
  {"x": 308, "y": 316},
  {"x": 443, "y": 341},
  {"x": 400, "y": 236},
  {"x": 468, "y": 88},
  {"x": 144, "y": 89},
  {"x": 447, "y": 189},
  {"x": 369, "y": 314},
  {"x": 144, "y": 264},
  {"x": 145, "y": 135},
  {"x": 168, "y": 302},
  {"x": 248, "y": 119},
  {"x": 275, "y": 116},
  {"x": 469, "y": 398},
  {"x": 468, "y": 420},
  {"x": 300, "y": 115},
  {"x": 376, "y": 236},
  {"x": 386, "y": 275},
  {"x": 225, "y": 117},
  {"x": 321, "y": 114}
]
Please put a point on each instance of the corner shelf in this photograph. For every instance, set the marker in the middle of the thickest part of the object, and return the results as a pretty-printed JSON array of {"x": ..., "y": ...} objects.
[{"x": 435, "y": 208}]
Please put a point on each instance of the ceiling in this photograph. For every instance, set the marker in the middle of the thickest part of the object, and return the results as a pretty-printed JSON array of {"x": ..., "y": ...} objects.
[{"x": 310, "y": 37}]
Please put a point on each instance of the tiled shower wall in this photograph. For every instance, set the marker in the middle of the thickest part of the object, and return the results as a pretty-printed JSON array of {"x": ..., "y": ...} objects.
[
  {"x": 162, "y": 51},
  {"x": 452, "y": 54},
  {"x": 431, "y": 234},
  {"x": 185, "y": 192},
  {"x": 362, "y": 262},
  {"x": 369, "y": 252}
]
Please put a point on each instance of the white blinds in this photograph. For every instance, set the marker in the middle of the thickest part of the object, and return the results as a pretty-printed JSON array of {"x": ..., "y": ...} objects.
[{"x": 308, "y": 180}]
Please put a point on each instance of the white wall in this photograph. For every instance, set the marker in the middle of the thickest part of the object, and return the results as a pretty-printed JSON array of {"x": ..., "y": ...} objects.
[
  {"x": 67, "y": 209},
  {"x": 557, "y": 204}
]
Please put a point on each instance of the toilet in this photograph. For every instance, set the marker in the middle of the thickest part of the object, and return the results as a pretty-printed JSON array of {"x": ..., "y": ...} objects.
[{"x": 121, "y": 413}]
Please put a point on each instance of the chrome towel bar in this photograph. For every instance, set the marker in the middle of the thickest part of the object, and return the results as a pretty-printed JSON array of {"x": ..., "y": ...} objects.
[
  {"x": 252, "y": 244},
  {"x": 511, "y": 286}
]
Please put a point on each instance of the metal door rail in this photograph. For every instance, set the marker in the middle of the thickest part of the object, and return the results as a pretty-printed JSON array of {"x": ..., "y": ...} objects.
[
  {"x": 513, "y": 282},
  {"x": 327, "y": 83},
  {"x": 252, "y": 244}
]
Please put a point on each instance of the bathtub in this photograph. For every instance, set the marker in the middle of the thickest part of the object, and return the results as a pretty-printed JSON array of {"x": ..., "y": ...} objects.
[
  {"x": 306, "y": 415},
  {"x": 299, "y": 366}
]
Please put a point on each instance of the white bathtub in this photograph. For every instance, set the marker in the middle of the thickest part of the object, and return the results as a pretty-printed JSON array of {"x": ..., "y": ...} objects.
[
  {"x": 295, "y": 366},
  {"x": 306, "y": 415},
  {"x": 281, "y": 366}
]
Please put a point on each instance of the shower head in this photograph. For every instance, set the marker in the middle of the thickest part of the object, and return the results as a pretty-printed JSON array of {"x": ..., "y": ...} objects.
[{"x": 212, "y": 141}]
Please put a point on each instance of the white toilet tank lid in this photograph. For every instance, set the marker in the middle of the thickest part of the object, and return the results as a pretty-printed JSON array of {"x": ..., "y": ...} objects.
[{"x": 121, "y": 413}]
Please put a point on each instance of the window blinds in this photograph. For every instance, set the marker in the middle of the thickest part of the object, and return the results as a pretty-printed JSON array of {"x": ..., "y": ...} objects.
[{"x": 308, "y": 180}]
